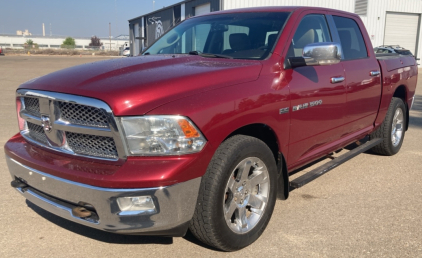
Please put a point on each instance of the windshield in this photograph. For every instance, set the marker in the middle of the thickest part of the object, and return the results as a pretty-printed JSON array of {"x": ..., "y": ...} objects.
[{"x": 234, "y": 35}]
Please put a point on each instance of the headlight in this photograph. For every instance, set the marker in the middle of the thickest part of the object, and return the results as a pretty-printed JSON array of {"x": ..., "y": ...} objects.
[{"x": 161, "y": 135}]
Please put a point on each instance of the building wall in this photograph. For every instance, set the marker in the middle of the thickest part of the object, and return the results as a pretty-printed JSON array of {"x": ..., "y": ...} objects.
[
  {"x": 190, "y": 6},
  {"x": 374, "y": 20},
  {"x": 160, "y": 21},
  {"x": 13, "y": 41},
  {"x": 346, "y": 5}
]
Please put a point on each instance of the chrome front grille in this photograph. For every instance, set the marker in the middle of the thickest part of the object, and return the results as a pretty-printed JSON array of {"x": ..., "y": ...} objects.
[
  {"x": 82, "y": 114},
  {"x": 36, "y": 132},
  {"x": 70, "y": 124},
  {"x": 92, "y": 145},
  {"x": 32, "y": 106}
]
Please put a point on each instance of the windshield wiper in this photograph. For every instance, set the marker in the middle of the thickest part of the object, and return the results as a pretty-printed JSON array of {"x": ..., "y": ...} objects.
[{"x": 199, "y": 53}]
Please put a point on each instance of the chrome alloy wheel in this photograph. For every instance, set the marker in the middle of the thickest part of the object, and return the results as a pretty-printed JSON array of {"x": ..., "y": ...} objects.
[
  {"x": 246, "y": 195},
  {"x": 397, "y": 127}
]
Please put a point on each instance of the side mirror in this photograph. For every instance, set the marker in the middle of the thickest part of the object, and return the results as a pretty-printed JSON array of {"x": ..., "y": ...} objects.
[{"x": 323, "y": 53}]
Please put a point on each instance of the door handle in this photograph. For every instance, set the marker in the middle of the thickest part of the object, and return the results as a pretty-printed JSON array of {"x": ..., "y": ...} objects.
[
  {"x": 337, "y": 79},
  {"x": 374, "y": 73}
]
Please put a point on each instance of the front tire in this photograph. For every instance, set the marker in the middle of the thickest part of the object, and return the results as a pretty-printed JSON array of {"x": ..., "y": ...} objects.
[
  {"x": 392, "y": 130},
  {"x": 237, "y": 194}
]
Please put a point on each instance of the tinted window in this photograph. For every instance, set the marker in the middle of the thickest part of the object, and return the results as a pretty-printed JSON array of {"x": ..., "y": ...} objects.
[
  {"x": 239, "y": 35},
  {"x": 312, "y": 29},
  {"x": 404, "y": 52},
  {"x": 351, "y": 38}
]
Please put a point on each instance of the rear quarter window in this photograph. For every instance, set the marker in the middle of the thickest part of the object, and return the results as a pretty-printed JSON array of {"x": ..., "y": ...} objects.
[
  {"x": 404, "y": 52},
  {"x": 351, "y": 38}
]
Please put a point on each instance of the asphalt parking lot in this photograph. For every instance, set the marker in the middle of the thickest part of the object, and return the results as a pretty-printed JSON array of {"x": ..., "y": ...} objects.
[{"x": 370, "y": 206}]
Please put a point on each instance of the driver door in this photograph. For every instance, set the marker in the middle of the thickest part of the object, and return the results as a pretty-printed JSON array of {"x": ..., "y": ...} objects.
[{"x": 317, "y": 104}]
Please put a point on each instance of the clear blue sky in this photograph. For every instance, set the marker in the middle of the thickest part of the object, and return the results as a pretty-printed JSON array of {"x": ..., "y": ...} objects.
[{"x": 82, "y": 18}]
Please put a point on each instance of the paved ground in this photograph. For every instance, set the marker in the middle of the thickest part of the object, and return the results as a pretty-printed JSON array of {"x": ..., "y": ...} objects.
[{"x": 370, "y": 206}]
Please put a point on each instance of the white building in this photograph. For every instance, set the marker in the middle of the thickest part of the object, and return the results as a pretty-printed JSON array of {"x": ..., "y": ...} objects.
[
  {"x": 388, "y": 22},
  {"x": 17, "y": 42}
]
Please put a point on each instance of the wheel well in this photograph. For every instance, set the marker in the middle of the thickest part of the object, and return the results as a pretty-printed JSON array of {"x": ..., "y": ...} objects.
[
  {"x": 262, "y": 132},
  {"x": 401, "y": 93},
  {"x": 267, "y": 135}
]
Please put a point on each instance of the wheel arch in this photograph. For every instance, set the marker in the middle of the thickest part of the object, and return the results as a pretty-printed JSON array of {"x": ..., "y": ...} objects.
[
  {"x": 266, "y": 134},
  {"x": 402, "y": 92}
]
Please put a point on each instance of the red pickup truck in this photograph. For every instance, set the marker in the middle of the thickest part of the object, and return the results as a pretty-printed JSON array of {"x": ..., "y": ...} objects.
[{"x": 201, "y": 131}]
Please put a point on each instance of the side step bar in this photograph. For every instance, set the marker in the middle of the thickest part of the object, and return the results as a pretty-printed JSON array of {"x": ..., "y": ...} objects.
[{"x": 313, "y": 174}]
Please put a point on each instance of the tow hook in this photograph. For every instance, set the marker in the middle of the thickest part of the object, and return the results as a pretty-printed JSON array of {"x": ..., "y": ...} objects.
[
  {"x": 81, "y": 212},
  {"x": 18, "y": 184}
]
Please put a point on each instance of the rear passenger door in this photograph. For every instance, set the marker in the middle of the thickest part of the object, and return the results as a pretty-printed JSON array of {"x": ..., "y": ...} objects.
[
  {"x": 317, "y": 104},
  {"x": 363, "y": 85}
]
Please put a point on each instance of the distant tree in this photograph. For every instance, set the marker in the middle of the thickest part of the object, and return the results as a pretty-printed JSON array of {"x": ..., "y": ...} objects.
[
  {"x": 95, "y": 42},
  {"x": 29, "y": 44},
  {"x": 69, "y": 42}
]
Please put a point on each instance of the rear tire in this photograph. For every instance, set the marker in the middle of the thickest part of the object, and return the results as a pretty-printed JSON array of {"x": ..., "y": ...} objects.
[
  {"x": 234, "y": 208},
  {"x": 392, "y": 130}
]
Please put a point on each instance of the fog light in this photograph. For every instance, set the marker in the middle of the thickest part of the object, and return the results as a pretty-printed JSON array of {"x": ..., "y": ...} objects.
[{"x": 136, "y": 205}]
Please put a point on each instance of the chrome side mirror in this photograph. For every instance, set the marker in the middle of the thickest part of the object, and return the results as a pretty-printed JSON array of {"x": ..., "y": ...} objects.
[{"x": 324, "y": 53}]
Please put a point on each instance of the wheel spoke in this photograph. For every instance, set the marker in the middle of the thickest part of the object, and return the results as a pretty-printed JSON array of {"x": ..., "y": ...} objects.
[
  {"x": 257, "y": 211},
  {"x": 257, "y": 201},
  {"x": 396, "y": 114},
  {"x": 258, "y": 179},
  {"x": 244, "y": 170},
  {"x": 243, "y": 219},
  {"x": 231, "y": 184},
  {"x": 228, "y": 212}
]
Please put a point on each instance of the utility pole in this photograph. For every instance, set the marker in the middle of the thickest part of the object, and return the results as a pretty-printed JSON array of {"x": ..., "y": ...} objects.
[
  {"x": 153, "y": 5},
  {"x": 109, "y": 33}
]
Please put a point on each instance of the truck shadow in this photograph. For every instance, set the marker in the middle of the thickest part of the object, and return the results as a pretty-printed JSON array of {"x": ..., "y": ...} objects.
[
  {"x": 108, "y": 237},
  {"x": 96, "y": 234},
  {"x": 416, "y": 113}
]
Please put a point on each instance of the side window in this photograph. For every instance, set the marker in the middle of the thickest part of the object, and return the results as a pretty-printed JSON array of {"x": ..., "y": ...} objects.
[
  {"x": 312, "y": 29},
  {"x": 351, "y": 38}
]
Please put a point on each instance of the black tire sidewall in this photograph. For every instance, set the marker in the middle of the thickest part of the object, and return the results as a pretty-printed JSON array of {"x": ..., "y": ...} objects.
[{"x": 244, "y": 150}]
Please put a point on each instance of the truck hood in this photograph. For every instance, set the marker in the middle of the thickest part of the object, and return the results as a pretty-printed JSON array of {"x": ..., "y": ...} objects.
[{"x": 134, "y": 86}]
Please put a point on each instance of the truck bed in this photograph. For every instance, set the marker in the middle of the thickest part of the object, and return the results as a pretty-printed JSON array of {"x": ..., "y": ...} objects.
[{"x": 396, "y": 71}]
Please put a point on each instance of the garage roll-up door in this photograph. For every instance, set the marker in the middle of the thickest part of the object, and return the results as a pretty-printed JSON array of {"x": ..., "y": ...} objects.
[
  {"x": 202, "y": 9},
  {"x": 402, "y": 29}
]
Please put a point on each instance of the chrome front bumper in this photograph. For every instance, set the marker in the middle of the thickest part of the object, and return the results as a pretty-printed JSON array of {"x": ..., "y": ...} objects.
[{"x": 174, "y": 204}]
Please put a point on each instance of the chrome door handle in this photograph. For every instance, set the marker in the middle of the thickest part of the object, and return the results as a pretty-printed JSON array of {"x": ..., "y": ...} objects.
[
  {"x": 337, "y": 79},
  {"x": 374, "y": 73}
]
